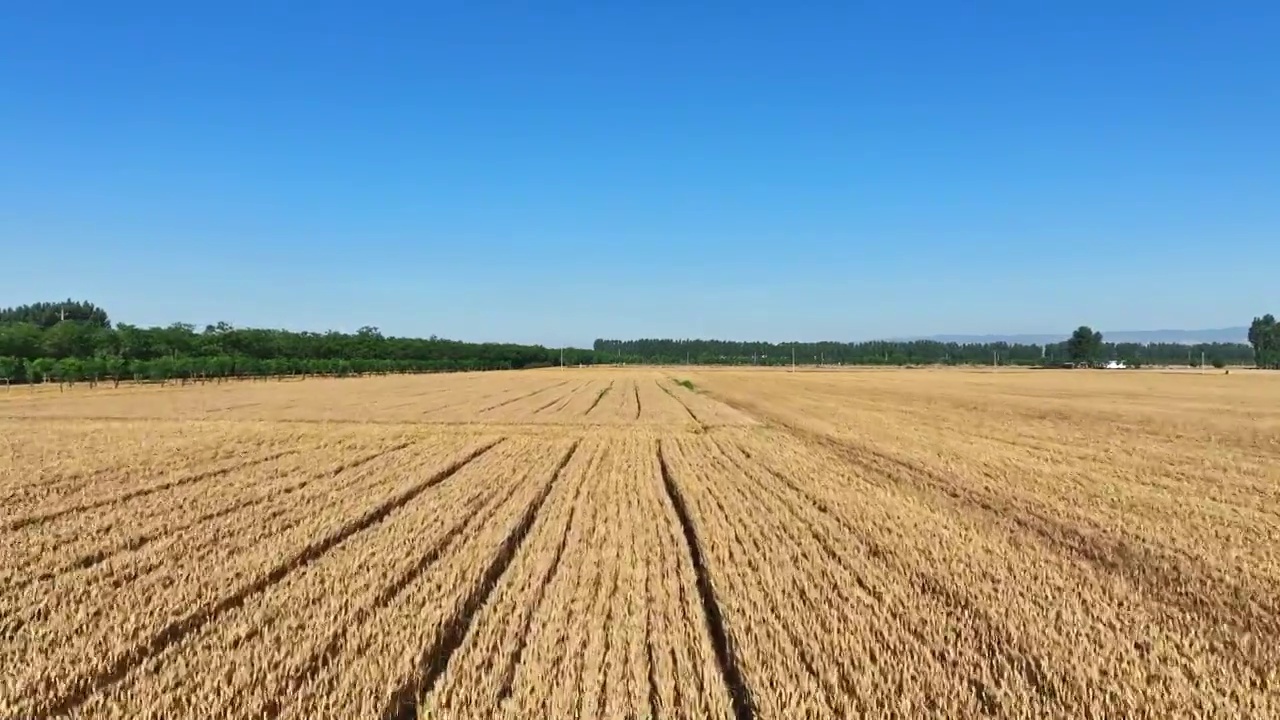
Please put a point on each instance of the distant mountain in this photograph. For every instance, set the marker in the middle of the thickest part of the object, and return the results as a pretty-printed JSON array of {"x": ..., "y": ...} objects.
[{"x": 1184, "y": 337}]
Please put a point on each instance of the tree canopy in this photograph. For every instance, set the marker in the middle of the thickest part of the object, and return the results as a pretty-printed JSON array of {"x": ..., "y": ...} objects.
[
  {"x": 37, "y": 344},
  {"x": 1084, "y": 345},
  {"x": 86, "y": 346},
  {"x": 45, "y": 315},
  {"x": 1264, "y": 336},
  {"x": 915, "y": 352}
]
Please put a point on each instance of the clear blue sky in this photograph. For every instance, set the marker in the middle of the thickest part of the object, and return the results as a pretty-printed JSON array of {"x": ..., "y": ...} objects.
[{"x": 553, "y": 172}]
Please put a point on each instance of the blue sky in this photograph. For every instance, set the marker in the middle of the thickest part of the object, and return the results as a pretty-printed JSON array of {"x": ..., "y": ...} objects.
[{"x": 553, "y": 172}]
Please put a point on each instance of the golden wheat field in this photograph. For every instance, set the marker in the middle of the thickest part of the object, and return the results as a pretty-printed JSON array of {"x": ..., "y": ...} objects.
[{"x": 645, "y": 543}]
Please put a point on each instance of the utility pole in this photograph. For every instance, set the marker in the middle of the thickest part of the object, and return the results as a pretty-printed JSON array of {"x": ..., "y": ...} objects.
[
  {"x": 793, "y": 358},
  {"x": 1201, "y": 362}
]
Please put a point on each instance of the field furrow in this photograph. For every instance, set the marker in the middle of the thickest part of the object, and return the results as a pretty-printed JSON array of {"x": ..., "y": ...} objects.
[
  {"x": 44, "y": 476},
  {"x": 644, "y": 542},
  {"x": 595, "y": 402},
  {"x": 706, "y": 411},
  {"x": 603, "y": 596},
  {"x": 529, "y": 407},
  {"x": 406, "y": 645},
  {"x": 659, "y": 407},
  {"x": 94, "y": 626},
  {"x": 273, "y": 643},
  {"x": 518, "y": 394},
  {"x": 80, "y": 540},
  {"x": 832, "y": 596},
  {"x": 616, "y": 403},
  {"x": 1080, "y": 625},
  {"x": 574, "y": 407},
  {"x": 146, "y": 488},
  {"x": 1226, "y": 511}
]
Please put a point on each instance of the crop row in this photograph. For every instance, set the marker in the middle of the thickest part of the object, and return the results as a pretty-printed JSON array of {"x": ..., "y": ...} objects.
[
  {"x": 602, "y": 597},
  {"x": 71, "y": 635}
]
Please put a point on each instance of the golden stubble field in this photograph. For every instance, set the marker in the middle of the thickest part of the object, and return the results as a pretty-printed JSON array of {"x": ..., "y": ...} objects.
[{"x": 611, "y": 543}]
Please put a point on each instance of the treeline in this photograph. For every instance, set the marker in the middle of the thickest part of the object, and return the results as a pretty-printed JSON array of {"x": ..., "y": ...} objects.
[
  {"x": 71, "y": 342},
  {"x": 45, "y": 315},
  {"x": 75, "y": 341},
  {"x": 915, "y": 352},
  {"x": 1264, "y": 335}
]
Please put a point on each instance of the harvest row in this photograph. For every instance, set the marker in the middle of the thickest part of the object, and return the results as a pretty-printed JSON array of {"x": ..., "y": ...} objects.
[
  {"x": 848, "y": 593},
  {"x": 548, "y": 397}
]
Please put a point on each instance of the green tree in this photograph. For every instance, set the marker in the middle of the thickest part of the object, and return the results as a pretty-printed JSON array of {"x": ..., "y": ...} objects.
[
  {"x": 1264, "y": 336},
  {"x": 221, "y": 366},
  {"x": 93, "y": 369},
  {"x": 48, "y": 314},
  {"x": 116, "y": 368},
  {"x": 40, "y": 368},
  {"x": 183, "y": 368},
  {"x": 133, "y": 342},
  {"x": 175, "y": 340},
  {"x": 162, "y": 368},
  {"x": 20, "y": 340},
  {"x": 10, "y": 367},
  {"x": 69, "y": 370},
  {"x": 86, "y": 335},
  {"x": 70, "y": 339},
  {"x": 1084, "y": 345}
]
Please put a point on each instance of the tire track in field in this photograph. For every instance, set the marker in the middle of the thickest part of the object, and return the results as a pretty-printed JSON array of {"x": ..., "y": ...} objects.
[
  {"x": 745, "y": 534},
  {"x": 137, "y": 543},
  {"x": 455, "y": 403},
  {"x": 149, "y": 490},
  {"x": 994, "y": 639},
  {"x": 79, "y": 691},
  {"x": 731, "y": 674},
  {"x": 692, "y": 415},
  {"x": 518, "y": 398},
  {"x": 464, "y": 384},
  {"x": 237, "y": 406},
  {"x": 88, "y": 477},
  {"x": 1151, "y": 570},
  {"x": 434, "y": 660},
  {"x": 635, "y": 388},
  {"x": 1222, "y": 606},
  {"x": 563, "y": 400},
  {"x": 736, "y": 535},
  {"x": 478, "y": 511},
  {"x": 599, "y": 397},
  {"x": 517, "y": 655}
]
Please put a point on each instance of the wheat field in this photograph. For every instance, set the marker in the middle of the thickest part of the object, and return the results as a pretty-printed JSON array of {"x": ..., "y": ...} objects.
[{"x": 645, "y": 543}]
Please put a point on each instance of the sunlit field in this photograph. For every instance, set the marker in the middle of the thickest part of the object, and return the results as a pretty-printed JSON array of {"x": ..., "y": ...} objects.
[{"x": 645, "y": 542}]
